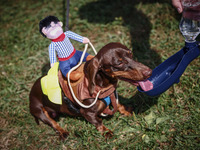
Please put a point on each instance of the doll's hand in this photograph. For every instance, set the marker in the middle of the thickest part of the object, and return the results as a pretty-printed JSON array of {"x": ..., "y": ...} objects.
[
  {"x": 52, "y": 64},
  {"x": 86, "y": 40}
]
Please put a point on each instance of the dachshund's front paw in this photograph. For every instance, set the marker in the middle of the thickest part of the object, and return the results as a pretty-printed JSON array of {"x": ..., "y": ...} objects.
[
  {"x": 108, "y": 134},
  {"x": 125, "y": 111},
  {"x": 64, "y": 135},
  {"x": 105, "y": 131}
]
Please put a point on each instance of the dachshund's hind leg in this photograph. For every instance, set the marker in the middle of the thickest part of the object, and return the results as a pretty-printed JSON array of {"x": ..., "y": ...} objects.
[
  {"x": 48, "y": 120},
  {"x": 43, "y": 115}
]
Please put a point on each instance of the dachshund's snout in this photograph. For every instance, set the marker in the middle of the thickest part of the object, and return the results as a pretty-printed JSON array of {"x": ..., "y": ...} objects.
[{"x": 147, "y": 73}]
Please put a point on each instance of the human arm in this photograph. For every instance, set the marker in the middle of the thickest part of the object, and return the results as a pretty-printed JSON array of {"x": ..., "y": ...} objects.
[{"x": 177, "y": 4}]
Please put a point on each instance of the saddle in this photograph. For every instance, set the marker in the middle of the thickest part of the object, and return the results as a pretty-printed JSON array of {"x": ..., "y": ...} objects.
[{"x": 80, "y": 89}]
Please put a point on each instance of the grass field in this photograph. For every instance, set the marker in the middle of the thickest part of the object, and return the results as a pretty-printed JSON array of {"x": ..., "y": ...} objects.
[{"x": 148, "y": 27}]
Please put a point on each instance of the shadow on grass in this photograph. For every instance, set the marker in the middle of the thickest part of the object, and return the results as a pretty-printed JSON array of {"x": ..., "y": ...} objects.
[
  {"x": 45, "y": 69},
  {"x": 106, "y": 11},
  {"x": 139, "y": 103}
]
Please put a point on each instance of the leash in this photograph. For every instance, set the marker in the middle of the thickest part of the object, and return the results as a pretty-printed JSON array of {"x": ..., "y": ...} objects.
[{"x": 75, "y": 67}]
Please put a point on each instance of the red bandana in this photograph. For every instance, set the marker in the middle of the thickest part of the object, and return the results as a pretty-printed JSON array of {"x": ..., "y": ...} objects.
[{"x": 60, "y": 38}]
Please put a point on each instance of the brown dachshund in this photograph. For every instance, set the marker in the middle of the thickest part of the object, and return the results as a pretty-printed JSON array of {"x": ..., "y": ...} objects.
[{"x": 114, "y": 61}]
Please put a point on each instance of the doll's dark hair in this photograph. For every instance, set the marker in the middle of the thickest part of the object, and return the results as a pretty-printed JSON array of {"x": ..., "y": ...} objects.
[{"x": 46, "y": 22}]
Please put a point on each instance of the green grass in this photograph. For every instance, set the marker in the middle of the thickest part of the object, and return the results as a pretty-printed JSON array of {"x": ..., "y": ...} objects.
[{"x": 148, "y": 27}]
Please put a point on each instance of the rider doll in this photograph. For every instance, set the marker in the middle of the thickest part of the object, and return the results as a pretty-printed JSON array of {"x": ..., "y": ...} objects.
[
  {"x": 68, "y": 56},
  {"x": 51, "y": 28}
]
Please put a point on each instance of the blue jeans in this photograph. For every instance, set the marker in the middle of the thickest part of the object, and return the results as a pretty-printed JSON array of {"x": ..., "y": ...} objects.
[{"x": 66, "y": 65}]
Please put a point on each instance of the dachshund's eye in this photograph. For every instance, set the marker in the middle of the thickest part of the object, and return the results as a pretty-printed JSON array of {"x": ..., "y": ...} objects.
[{"x": 119, "y": 63}]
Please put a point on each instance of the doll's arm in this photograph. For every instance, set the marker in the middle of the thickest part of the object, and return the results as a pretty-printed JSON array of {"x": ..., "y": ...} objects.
[
  {"x": 76, "y": 37},
  {"x": 52, "y": 54}
]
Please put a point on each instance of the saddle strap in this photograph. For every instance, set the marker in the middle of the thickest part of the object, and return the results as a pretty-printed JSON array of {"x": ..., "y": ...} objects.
[
  {"x": 70, "y": 105},
  {"x": 114, "y": 104}
]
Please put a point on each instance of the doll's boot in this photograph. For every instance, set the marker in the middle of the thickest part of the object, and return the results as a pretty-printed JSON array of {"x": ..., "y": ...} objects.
[
  {"x": 89, "y": 57},
  {"x": 75, "y": 75}
]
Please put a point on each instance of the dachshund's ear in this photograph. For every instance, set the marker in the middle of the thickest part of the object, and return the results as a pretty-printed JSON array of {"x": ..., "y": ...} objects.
[{"x": 92, "y": 70}]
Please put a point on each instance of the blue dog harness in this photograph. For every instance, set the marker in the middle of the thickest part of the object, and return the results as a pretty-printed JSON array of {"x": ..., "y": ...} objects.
[{"x": 106, "y": 100}]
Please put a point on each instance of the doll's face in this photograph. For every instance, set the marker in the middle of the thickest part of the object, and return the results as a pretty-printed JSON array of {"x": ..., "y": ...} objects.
[{"x": 53, "y": 31}]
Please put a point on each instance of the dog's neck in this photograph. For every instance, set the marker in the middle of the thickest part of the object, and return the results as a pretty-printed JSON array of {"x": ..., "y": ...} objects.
[{"x": 104, "y": 80}]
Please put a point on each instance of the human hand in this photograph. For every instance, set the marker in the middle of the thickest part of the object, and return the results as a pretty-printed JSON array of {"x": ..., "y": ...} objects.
[
  {"x": 177, "y": 5},
  {"x": 86, "y": 40}
]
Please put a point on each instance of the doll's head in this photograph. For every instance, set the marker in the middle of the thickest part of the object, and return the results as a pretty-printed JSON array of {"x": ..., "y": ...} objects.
[{"x": 51, "y": 27}]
